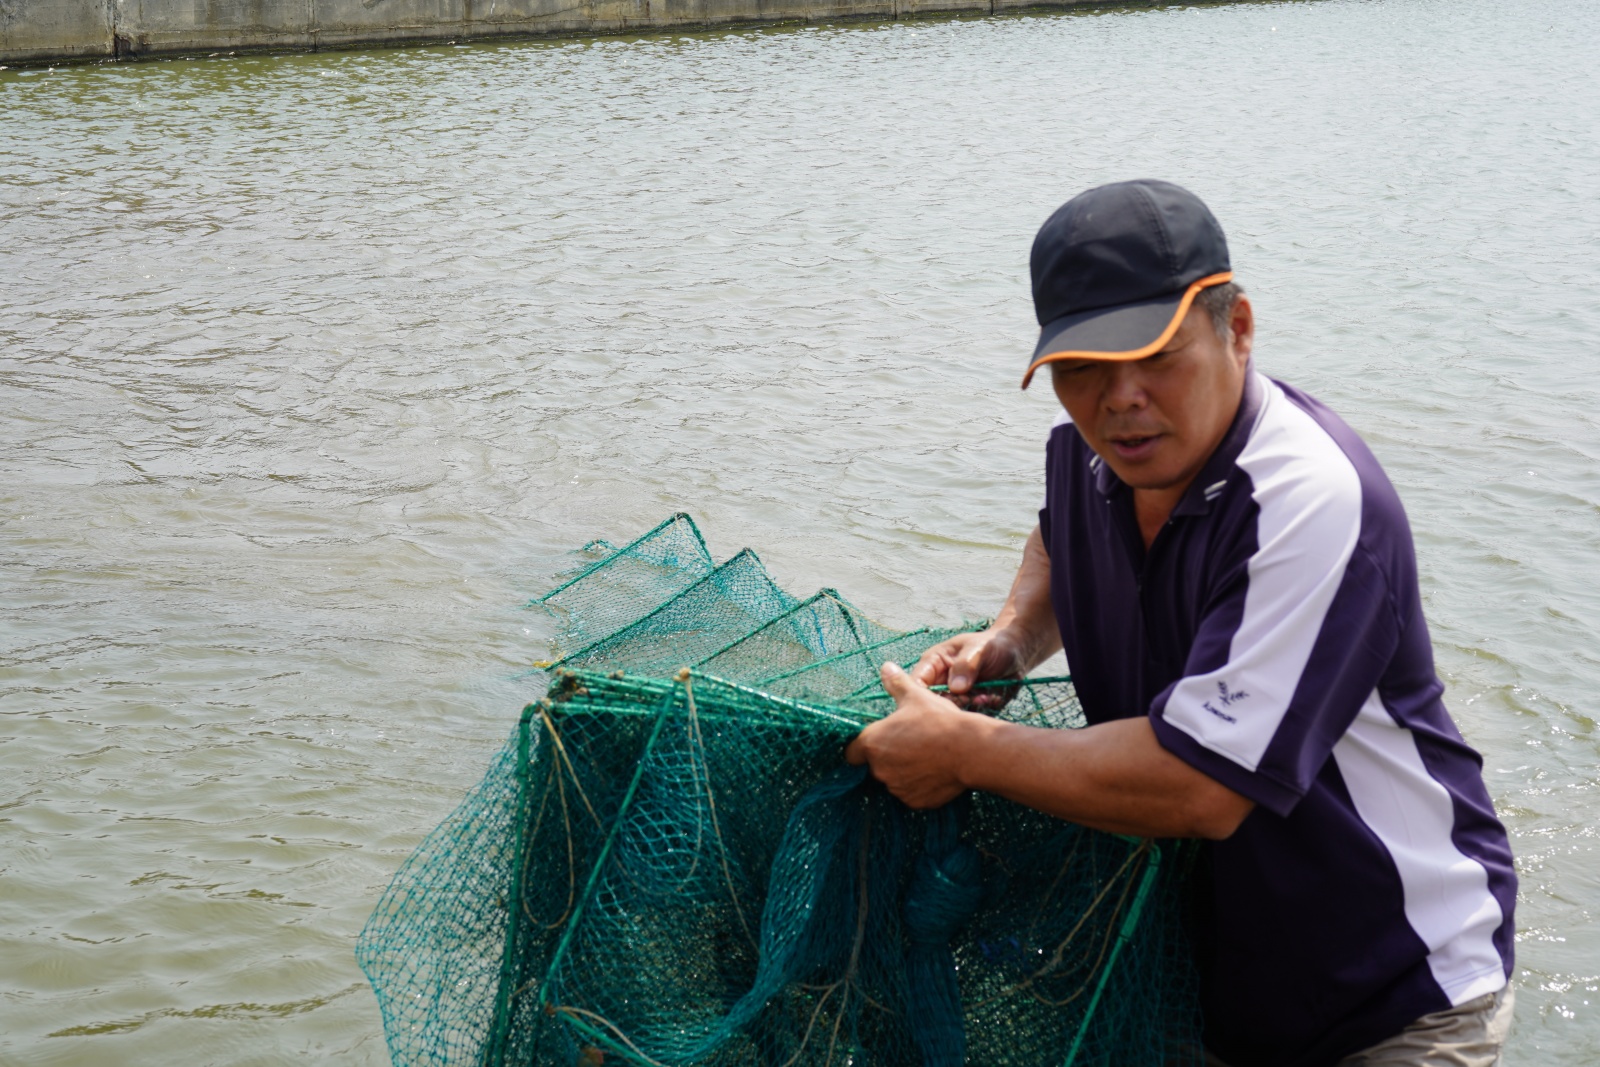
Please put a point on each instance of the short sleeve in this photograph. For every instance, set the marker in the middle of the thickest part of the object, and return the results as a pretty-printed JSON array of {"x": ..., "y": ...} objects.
[
  {"x": 1294, "y": 638},
  {"x": 1053, "y": 448}
]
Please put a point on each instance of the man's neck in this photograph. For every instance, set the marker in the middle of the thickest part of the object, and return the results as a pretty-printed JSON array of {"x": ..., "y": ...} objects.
[{"x": 1153, "y": 507}]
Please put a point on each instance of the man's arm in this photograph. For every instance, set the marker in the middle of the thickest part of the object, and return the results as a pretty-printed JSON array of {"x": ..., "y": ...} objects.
[
  {"x": 1022, "y": 636},
  {"x": 1115, "y": 776}
]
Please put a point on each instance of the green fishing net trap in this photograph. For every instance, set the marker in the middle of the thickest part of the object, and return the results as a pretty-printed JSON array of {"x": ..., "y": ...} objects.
[{"x": 669, "y": 863}]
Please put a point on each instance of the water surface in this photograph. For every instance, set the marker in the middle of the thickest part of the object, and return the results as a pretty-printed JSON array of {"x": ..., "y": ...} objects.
[{"x": 315, "y": 367}]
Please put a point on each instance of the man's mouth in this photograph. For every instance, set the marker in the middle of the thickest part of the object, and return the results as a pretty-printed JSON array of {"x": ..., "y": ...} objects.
[{"x": 1134, "y": 447}]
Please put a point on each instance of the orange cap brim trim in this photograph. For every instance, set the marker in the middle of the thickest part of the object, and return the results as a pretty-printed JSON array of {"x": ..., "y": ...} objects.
[{"x": 1137, "y": 353}]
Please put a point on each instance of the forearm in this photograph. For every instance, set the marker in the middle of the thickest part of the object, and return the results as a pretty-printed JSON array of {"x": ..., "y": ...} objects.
[
  {"x": 1028, "y": 611},
  {"x": 1115, "y": 776}
]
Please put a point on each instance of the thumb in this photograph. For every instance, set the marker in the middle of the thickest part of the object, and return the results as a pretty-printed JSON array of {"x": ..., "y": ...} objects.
[
  {"x": 897, "y": 683},
  {"x": 964, "y": 669}
]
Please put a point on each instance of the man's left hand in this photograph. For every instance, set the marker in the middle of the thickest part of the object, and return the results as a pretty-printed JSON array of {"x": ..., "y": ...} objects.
[{"x": 919, "y": 750}]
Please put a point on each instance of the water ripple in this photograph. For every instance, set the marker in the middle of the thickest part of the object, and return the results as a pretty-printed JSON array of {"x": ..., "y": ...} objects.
[{"x": 317, "y": 366}]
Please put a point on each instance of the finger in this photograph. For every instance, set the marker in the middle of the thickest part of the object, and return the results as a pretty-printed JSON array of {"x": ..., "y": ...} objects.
[
  {"x": 933, "y": 667},
  {"x": 855, "y": 753},
  {"x": 897, "y": 683}
]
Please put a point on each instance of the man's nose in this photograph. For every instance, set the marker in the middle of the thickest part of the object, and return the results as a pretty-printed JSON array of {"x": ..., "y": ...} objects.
[{"x": 1124, "y": 390}]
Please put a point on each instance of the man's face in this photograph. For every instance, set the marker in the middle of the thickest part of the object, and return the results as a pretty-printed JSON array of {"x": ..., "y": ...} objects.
[{"x": 1157, "y": 420}]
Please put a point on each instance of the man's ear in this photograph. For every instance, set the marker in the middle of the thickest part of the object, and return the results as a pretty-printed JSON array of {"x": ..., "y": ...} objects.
[{"x": 1242, "y": 330}]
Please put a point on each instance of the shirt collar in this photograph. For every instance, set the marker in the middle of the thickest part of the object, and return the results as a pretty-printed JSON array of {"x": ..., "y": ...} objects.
[
  {"x": 1214, "y": 476},
  {"x": 1104, "y": 480}
]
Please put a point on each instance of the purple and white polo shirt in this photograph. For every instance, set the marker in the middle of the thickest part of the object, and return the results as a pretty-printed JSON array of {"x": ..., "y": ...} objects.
[{"x": 1273, "y": 633}]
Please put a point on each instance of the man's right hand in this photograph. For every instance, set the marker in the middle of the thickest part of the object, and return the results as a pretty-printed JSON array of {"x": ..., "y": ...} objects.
[
  {"x": 1024, "y": 634},
  {"x": 966, "y": 659}
]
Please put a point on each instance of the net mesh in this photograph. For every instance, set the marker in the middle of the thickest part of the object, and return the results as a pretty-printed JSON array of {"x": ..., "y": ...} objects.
[
  {"x": 669, "y": 863},
  {"x": 620, "y": 585}
]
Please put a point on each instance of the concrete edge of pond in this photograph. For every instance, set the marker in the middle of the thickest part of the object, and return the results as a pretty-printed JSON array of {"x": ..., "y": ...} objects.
[{"x": 38, "y": 32}]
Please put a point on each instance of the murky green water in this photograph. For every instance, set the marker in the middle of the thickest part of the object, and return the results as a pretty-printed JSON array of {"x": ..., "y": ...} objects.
[{"x": 313, "y": 367}]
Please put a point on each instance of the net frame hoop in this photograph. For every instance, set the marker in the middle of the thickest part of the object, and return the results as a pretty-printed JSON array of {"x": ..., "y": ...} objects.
[
  {"x": 829, "y": 661},
  {"x": 992, "y": 683},
  {"x": 638, "y": 623},
  {"x": 635, "y": 543},
  {"x": 810, "y": 601}
]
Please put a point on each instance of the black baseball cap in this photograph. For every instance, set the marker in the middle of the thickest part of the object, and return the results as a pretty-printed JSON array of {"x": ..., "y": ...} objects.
[{"x": 1116, "y": 268}]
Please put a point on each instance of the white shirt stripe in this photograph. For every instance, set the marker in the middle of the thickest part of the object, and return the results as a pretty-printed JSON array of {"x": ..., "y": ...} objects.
[
  {"x": 1309, "y": 495},
  {"x": 1447, "y": 898}
]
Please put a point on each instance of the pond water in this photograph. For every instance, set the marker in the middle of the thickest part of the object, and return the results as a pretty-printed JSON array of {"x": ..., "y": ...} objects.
[{"x": 316, "y": 367}]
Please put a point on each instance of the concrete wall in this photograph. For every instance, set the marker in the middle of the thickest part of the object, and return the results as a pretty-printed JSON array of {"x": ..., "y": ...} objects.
[
  {"x": 42, "y": 30},
  {"x": 54, "y": 29}
]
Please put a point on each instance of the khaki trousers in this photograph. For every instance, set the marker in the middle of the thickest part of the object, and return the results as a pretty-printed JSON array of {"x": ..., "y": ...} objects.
[{"x": 1468, "y": 1035}]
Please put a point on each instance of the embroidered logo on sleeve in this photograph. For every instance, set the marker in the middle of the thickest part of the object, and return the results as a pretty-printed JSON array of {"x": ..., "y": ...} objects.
[{"x": 1226, "y": 698}]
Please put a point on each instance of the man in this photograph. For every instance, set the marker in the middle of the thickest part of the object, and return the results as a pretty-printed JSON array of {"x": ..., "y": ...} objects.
[{"x": 1233, "y": 581}]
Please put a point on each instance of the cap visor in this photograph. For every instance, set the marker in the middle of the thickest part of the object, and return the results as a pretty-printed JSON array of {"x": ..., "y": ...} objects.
[{"x": 1124, "y": 332}]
